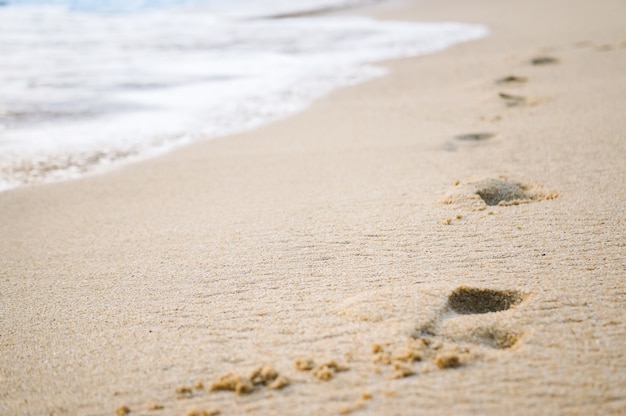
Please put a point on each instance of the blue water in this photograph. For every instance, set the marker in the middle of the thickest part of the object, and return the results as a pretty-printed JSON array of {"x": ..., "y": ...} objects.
[
  {"x": 114, "y": 5},
  {"x": 87, "y": 85},
  {"x": 125, "y": 6}
]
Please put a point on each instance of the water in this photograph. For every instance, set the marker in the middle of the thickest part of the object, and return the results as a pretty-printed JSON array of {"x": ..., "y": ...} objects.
[{"x": 87, "y": 85}]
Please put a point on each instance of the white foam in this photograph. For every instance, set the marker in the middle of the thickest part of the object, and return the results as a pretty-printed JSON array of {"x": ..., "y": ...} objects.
[{"x": 84, "y": 91}]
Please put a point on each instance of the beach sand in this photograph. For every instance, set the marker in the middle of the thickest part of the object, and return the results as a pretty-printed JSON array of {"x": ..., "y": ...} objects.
[{"x": 442, "y": 240}]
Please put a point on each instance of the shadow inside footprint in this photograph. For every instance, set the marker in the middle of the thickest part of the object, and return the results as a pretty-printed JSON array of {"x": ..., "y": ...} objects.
[
  {"x": 499, "y": 191},
  {"x": 511, "y": 79},
  {"x": 544, "y": 60},
  {"x": 474, "y": 137},
  {"x": 467, "y": 300},
  {"x": 513, "y": 100}
]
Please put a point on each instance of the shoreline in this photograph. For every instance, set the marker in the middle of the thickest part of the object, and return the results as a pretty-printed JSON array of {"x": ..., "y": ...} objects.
[
  {"x": 434, "y": 212},
  {"x": 348, "y": 9},
  {"x": 168, "y": 116}
]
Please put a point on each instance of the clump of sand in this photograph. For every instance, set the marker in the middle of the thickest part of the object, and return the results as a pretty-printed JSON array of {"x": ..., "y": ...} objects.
[
  {"x": 233, "y": 382},
  {"x": 188, "y": 391},
  {"x": 304, "y": 364},
  {"x": 203, "y": 412},
  {"x": 428, "y": 352},
  {"x": 323, "y": 371},
  {"x": 447, "y": 360},
  {"x": 400, "y": 358},
  {"x": 264, "y": 375},
  {"x": 122, "y": 411}
]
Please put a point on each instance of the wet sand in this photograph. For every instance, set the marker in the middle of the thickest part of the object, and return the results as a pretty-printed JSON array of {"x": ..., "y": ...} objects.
[{"x": 449, "y": 239}]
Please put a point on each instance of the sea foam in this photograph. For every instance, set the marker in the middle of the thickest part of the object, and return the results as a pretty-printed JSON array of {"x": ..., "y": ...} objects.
[{"x": 84, "y": 90}]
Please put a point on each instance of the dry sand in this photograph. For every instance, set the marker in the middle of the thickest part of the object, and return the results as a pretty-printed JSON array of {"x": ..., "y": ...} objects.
[{"x": 351, "y": 239}]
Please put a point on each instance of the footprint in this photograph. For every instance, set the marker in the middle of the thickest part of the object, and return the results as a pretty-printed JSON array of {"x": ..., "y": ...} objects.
[
  {"x": 466, "y": 300},
  {"x": 498, "y": 191},
  {"x": 477, "y": 301},
  {"x": 474, "y": 137},
  {"x": 501, "y": 191},
  {"x": 468, "y": 139},
  {"x": 471, "y": 317},
  {"x": 514, "y": 100},
  {"x": 544, "y": 60},
  {"x": 601, "y": 47},
  {"x": 468, "y": 326},
  {"x": 490, "y": 332},
  {"x": 512, "y": 79},
  {"x": 504, "y": 192},
  {"x": 496, "y": 337}
]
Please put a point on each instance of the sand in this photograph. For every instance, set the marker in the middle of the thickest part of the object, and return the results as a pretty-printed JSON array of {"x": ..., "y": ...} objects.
[{"x": 353, "y": 233}]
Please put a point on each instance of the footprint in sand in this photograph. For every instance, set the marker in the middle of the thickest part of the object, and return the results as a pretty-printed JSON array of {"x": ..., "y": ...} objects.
[
  {"x": 473, "y": 323},
  {"x": 601, "y": 47},
  {"x": 502, "y": 192},
  {"x": 512, "y": 100},
  {"x": 478, "y": 193},
  {"x": 474, "y": 137},
  {"x": 472, "y": 317},
  {"x": 466, "y": 300},
  {"x": 511, "y": 80},
  {"x": 468, "y": 139},
  {"x": 544, "y": 60}
]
